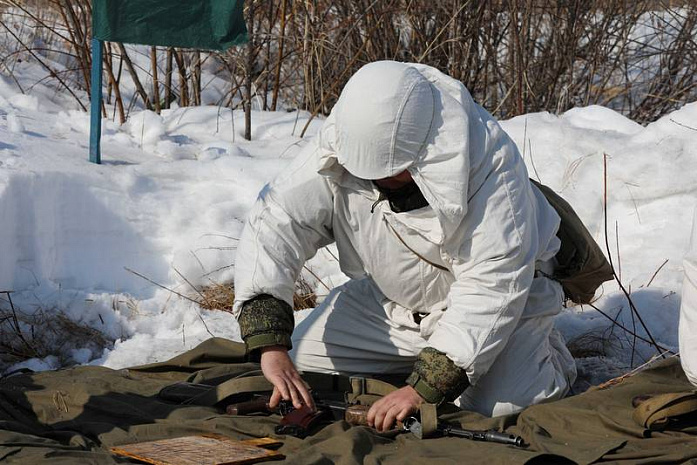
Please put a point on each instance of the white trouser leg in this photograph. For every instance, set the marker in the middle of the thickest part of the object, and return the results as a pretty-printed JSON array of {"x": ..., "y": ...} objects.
[
  {"x": 534, "y": 367},
  {"x": 356, "y": 330},
  {"x": 687, "y": 330},
  {"x": 351, "y": 332}
]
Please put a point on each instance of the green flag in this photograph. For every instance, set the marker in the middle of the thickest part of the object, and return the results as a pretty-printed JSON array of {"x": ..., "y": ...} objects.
[{"x": 202, "y": 24}]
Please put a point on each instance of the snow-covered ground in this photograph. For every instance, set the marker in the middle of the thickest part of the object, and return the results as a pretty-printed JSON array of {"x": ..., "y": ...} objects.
[{"x": 168, "y": 203}]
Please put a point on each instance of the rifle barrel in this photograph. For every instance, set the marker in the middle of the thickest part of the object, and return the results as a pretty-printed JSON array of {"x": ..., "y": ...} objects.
[{"x": 489, "y": 436}]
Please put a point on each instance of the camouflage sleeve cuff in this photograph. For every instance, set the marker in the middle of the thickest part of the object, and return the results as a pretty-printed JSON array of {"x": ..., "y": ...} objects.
[
  {"x": 266, "y": 321},
  {"x": 436, "y": 378}
]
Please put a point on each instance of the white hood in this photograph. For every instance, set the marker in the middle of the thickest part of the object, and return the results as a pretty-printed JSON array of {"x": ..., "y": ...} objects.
[{"x": 395, "y": 116}]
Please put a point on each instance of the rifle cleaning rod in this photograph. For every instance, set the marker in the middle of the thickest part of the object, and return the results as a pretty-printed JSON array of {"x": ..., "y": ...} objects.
[{"x": 489, "y": 436}]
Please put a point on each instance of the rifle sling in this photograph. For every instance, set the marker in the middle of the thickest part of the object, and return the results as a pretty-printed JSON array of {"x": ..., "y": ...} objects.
[
  {"x": 370, "y": 388},
  {"x": 231, "y": 387},
  {"x": 655, "y": 413}
]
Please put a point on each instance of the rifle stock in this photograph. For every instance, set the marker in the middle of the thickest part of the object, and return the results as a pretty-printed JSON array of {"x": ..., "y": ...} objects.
[{"x": 300, "y": 422}]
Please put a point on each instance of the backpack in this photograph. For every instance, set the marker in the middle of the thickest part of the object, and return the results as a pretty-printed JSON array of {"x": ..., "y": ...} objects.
[{"x": 582, "y": 266}]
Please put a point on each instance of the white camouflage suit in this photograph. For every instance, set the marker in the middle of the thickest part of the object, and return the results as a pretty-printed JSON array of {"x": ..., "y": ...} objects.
[
  {"x": 688, "y": 310},
  {"x": 491, "y": 310}
]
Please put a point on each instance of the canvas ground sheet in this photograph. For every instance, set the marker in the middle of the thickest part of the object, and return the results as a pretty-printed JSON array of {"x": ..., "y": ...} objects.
[{"x": 73, "y": 416}]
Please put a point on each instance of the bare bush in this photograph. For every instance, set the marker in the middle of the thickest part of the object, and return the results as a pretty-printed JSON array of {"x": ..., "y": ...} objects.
[{"x": 515, "y": 56}]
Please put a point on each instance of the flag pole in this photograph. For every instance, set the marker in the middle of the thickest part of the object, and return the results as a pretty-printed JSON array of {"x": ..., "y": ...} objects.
[{"x": 96, "y": 103}]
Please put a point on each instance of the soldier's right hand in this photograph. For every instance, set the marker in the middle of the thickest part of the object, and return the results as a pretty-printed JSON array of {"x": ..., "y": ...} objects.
[{"x": 279, "y": 369}]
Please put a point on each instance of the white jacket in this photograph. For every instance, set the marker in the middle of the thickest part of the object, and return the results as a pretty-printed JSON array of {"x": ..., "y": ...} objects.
[
  {"x": 485, "y": 222},
  {"x": 688, "y": 310}
]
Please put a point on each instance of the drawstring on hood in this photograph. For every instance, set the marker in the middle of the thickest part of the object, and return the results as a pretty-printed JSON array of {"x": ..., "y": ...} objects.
[{"x": 380, "y": 198}]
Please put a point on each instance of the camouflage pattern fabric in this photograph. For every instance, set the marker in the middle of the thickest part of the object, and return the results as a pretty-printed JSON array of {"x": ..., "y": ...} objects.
[
  {"x": 436, "y": 378},
  {"x": 266, "y": 321}
]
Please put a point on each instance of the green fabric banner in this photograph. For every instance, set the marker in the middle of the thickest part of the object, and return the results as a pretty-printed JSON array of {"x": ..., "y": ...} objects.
[{"x": 201, "y": 24}]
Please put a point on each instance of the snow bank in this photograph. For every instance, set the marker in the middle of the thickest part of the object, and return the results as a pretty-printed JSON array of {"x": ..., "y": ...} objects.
[{"x": 651, "y": 194}]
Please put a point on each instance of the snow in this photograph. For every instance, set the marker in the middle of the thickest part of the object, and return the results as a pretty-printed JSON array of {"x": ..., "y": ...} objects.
[
  {"x": 115, "y": 246},
  {"x": 651, "y": 194}
]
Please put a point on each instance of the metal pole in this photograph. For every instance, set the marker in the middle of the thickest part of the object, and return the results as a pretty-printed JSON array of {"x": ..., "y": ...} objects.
[{"x": 96, "y": 102}]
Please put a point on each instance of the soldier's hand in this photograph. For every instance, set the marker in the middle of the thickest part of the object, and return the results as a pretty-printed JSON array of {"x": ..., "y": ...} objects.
[
  {"x": 278, "y": 368},
  {"x": 395, "y": 406}
]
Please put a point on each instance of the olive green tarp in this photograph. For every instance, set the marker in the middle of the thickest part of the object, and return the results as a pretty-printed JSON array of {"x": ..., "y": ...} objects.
[
  {"x": 73, "y": 416},
  {"x": 202, "y": 24}
]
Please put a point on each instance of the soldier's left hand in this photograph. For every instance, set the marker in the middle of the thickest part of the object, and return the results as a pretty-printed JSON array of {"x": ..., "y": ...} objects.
[{"x": 397, "y": 405}]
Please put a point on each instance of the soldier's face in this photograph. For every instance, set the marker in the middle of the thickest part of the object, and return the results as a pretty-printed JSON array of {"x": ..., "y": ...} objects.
[{"x": 396, "y": 181}]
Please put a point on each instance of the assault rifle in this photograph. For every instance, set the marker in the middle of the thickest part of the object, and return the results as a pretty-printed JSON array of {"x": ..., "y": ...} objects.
[{"x": 300, "y": 422}]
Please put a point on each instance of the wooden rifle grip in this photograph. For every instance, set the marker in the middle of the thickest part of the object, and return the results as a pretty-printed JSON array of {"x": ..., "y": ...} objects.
[
  {"x": 260, "y": 405},
  {"x": 357, "y": 415}
]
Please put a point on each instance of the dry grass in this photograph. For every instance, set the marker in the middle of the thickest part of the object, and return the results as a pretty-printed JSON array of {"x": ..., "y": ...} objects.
[
  {"x": 645, "y": 366},
  {"x": 222, "y": 296},
  {"x": 217, "y": 297},
  {"x": 595, "y": 343},
  {"x": 42, "y": 333}
]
